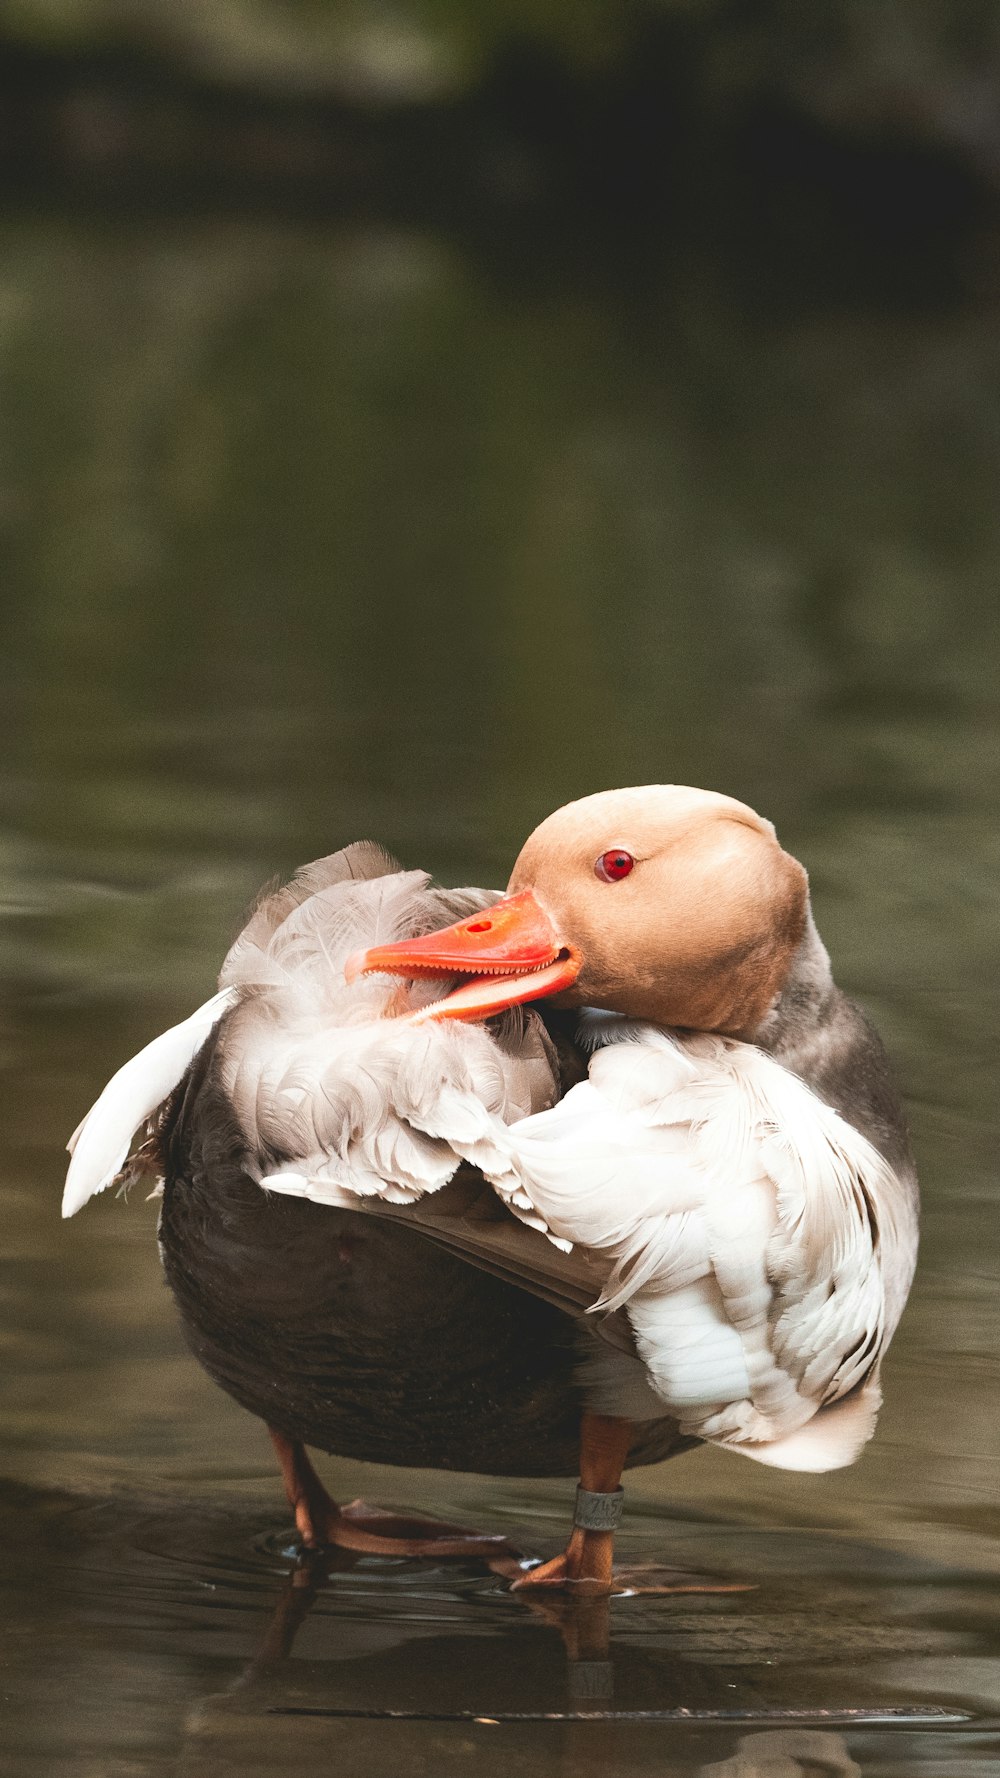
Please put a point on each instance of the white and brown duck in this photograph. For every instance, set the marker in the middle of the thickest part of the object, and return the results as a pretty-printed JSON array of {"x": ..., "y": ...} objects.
[{"x": 547, "y": 1184}]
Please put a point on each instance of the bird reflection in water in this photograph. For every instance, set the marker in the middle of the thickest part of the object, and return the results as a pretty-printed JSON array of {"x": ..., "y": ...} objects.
[{"x": 415, "y": 1706}]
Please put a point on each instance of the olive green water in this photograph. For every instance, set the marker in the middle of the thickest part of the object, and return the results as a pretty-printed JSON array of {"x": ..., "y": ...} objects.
[{"x": 316, "y": 534}]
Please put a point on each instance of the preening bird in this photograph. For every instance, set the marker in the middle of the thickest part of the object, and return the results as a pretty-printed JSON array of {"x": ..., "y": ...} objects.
[{"x": 548, "y": 1183}]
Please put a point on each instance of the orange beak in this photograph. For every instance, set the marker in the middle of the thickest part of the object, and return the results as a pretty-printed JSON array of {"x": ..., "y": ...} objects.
[{"x": 512, "y": 949}]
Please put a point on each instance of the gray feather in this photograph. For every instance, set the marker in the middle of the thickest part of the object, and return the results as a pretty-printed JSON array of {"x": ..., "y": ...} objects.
[{"x": 328, "y": 1082}]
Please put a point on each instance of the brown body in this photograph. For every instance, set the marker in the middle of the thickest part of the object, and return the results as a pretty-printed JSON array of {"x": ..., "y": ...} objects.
[{"x": 355, "y": 1334}]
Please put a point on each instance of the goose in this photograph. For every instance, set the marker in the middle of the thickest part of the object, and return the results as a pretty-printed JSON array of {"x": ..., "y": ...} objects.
[{"x": 548, "y": 1183}]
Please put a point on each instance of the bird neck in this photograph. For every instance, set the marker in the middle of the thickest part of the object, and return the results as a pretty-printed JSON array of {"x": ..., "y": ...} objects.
[{"x": 808, "y": 994}]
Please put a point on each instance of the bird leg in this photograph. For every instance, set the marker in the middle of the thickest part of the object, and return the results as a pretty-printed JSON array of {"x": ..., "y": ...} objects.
[
  {"x": 313, "y": 1508},
  {"x": 369, "y": 1529},
  {"x": 587, "y": 1559},
  {"x": 585, "y": 1566}
]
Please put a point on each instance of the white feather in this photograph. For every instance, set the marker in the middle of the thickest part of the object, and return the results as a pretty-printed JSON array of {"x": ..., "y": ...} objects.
[
  {"x": 834, "y": 1437},
  {"x": 730, "y": 1208},
  {"x": 100, "y": 1144},
  {"x": 339, "y": 1099}
]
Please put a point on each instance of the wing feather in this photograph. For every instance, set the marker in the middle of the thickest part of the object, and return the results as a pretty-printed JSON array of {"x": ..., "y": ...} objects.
[
  {"x": 730, "y": 1207},
  {"x": 100, "y": 1144}
]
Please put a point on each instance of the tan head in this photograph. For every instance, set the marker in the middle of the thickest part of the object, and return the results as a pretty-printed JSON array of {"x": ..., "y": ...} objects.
[
  {"x": 664, "y": 903},
  {"x": 699, "y": 930}
]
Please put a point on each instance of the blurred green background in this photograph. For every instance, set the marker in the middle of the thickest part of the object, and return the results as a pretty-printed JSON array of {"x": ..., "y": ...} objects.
[{"x": 411, "y": 419}]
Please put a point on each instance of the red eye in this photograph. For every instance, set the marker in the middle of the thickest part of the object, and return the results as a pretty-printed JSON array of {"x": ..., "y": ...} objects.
[{"x": 611, "y": 867}]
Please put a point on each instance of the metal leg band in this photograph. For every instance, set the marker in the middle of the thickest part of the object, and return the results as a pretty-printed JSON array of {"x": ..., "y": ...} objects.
[{"x": 598, "y": 1512}]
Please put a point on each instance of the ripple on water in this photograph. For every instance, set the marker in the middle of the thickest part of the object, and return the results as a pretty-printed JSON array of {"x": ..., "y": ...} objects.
[{"x": 200, "y": 1627}]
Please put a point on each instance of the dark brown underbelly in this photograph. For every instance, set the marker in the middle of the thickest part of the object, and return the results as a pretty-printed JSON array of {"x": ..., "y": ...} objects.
[
  {"x": 367, "y": 1341},
  {"x": 357, "y": 1335}
]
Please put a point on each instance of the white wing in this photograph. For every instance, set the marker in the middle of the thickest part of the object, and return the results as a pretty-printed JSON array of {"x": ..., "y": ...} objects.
[
  {"x": 100, "y": 1144},
  {"x": 338, "y": 1099},
  {"x": 732, "y": 1210}
]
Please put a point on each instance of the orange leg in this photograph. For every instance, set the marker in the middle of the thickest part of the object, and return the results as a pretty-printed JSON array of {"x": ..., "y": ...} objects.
[
  {"x": 367, "y": 1528},
  {"x": 587, "y": 1559},
  {"x": 585, "y": 1566}
]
